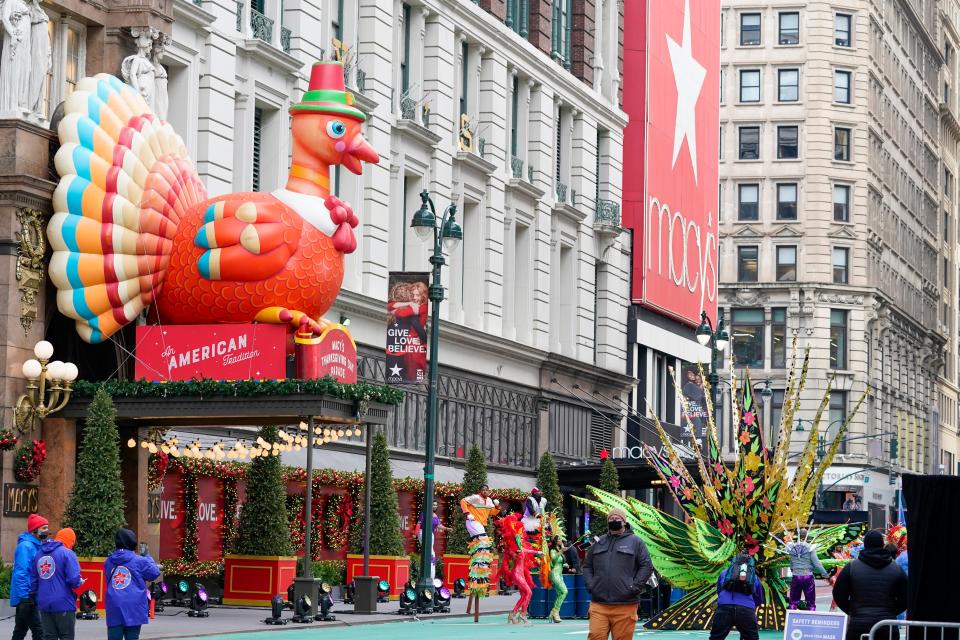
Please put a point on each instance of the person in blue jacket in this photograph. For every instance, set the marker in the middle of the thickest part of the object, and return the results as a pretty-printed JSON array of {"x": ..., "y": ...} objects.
[
  {"x": 22, "y": 588},
  {"x": 739, "y": 594},
  {"x": 57, "y": 572},
  {"x": 127, "y": 596}
]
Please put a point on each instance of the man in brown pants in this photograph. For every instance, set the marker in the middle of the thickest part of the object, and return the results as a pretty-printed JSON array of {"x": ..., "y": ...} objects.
[{"x": 616, "y": 569}]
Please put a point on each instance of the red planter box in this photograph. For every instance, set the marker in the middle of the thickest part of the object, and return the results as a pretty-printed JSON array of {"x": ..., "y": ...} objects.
[
  {"x": 91, "y": 570},
  {"x": 254, "y": 580},
  {"x": 393, "y": 569},
  {"x": 456, "y": 566}
]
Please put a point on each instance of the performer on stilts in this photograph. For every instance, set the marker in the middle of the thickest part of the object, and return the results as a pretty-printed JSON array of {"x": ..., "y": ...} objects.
[
  {"x": 518, "y": 558},
  {"x": 534, "y": 510},
  {"x": 478, "y": 508},
  {"x": 803, "y": 564}
]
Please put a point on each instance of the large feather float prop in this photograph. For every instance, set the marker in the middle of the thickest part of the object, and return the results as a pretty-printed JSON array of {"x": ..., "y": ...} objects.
[{"x": 748, "y": 506}]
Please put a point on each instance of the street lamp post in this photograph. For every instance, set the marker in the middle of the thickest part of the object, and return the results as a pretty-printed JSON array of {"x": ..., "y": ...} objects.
[
  {"x": 446, "y": 235},
  {"x": 718, "y": 342}
]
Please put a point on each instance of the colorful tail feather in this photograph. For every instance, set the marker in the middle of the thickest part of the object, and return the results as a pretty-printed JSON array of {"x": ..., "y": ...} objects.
[{"x": 126, "y": 181}]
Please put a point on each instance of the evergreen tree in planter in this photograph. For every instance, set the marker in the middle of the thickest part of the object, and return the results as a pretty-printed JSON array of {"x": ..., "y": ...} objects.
[
  {"x": 474, "y": 477},
  {"x": 549, "y": 485},
  {"x": 95, "y": 509},
  {"x": 263, "y": 528},
  {"x": 385, "y": 536},
  {"x": 609, "y": 478}
]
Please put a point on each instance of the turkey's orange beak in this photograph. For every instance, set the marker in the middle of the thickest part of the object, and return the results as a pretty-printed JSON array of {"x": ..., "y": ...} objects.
[{"x": 358, "y": 150}]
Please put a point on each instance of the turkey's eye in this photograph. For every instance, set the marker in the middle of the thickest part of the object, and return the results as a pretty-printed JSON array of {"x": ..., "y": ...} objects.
[{"x": 336, "y": 129}]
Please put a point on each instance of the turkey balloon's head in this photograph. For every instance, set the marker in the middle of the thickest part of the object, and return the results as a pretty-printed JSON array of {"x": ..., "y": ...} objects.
[{"x": 333, "y": 139}]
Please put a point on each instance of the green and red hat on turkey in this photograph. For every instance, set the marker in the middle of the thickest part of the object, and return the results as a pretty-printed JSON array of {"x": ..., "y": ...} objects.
[{"x": 326, "y": 93}]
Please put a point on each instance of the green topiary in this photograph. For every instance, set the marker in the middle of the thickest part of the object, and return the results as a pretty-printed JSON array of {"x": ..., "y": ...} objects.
[
  {"x": 385, "y": 536},
  {"x": 474, "y": 477},
  {"x": 95, "y": 509},
  {"x": 549, "y": 484},
  {"x": 263, "y": 528},
  {"x": 609, "y": 478}
]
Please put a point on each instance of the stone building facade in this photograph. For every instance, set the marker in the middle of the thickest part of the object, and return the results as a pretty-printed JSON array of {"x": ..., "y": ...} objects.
[{"x": 838, "y": 220}]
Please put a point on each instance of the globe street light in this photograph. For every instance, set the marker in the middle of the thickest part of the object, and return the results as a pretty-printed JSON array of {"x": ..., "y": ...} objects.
[
  {"x": 718, "y": 342},
  {"x": 446, "y": 235}
]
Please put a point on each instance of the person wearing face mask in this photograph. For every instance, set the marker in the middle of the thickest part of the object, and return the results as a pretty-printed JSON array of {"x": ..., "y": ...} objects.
[
  {"x": 23, "y": 586},
  {"x": 616, "y": 570}
]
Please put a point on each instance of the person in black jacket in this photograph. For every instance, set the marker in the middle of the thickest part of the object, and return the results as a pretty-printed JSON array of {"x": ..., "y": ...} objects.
[
  {"x": 616, "y": 570},
  {"x": 870, "y": 589}
]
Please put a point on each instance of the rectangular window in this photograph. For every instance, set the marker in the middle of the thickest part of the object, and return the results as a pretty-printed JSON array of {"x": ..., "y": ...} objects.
[
  {"x": 749, "y": 29},
  {"x": 336, "y": 22},
  {"x": 74, "y": 68},
  {"x": 257, "y": 138},
  {"x": 514, "y": 17},
  {"x": 946, "y": 226},
  {"x": 948, "y": 183},
  {"x": 838, "y": 416},
  {"x": 946, "y": 272},
  {"x": 748, "y": 204},
  {"x": 841, "y": 29},
  {"x": 776, "y": 413},
  {"x": 747, "y": 334},
  {"x": 405, "y": 53},
  {"x": 747, "y": 263},
  {"x": 787, "y": 264},
  {"x": 778, "y": 343},
  {"x": 841, "y": 144},
  {"x": 749, "y": 143},
  {"x": 464, "y": 77},
  {"x": 788, "y": 141},
  {"x": 562, "y": 10},
  {"x": 750, "y": 85},
  {"x": 841, "y": 259},
  {"x": 788, "y": 85},
  {"x": 787, "y": 201},
  {"x": 789, "y": 27},
  {"x": 723, "y": 84},
  {"x": 838, "y": 339},
  {"x": 841, "y": 86},
  {"x": 514, "y": 114},
  {"x": 721, "y": 142},
  {"x": 841, "y": 203}
]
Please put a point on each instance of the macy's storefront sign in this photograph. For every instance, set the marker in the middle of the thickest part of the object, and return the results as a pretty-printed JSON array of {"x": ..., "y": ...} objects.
[{"x": 640, "y": 453}]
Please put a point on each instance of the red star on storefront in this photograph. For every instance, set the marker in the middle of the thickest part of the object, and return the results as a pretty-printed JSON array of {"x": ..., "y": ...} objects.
[{"x": 604, "y": 455}]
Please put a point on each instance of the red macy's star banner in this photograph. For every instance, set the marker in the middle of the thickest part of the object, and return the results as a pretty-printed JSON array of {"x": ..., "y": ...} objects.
[
  {"x": 407, "y": 304},
  {"x": 671, "y": 91}
]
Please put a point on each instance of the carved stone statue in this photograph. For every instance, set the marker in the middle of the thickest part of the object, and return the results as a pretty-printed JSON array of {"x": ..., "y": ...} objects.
[
  {"x": 161, "y": 102},
  {"x": 40, "y": 59},
  {"x": 138, "y": 70},
  {"x": 15, "y": 59}
]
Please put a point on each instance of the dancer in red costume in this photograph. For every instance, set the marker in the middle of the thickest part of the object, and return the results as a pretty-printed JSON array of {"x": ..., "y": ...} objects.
[{"x": 518, "y": 558}]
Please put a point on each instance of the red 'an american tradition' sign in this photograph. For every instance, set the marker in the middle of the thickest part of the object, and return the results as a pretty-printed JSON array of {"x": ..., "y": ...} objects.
[
  {"x": 671, "y": 90},
  {"x": 217, "y": 351}
]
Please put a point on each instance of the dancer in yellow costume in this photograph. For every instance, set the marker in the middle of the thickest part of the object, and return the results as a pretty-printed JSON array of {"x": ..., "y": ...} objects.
[{"x": 478, "y": 508}]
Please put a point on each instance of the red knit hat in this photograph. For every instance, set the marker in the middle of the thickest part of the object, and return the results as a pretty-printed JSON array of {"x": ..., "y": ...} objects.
[{"x": 34, "y": 522}]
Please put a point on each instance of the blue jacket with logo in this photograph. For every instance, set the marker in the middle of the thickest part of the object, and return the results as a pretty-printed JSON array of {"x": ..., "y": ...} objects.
[
  {"x": 21, "y": 584},
  {"x": 127, "y": 597},
  {"x": 57, "y": 573}
]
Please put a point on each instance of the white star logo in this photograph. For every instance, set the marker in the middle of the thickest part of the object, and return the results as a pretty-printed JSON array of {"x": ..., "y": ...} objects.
[
  {"x": 395, "y": 370},
  {"x": 688, "y": 75}
]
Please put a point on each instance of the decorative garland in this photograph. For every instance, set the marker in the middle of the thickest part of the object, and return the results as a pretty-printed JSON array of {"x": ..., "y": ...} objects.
[
  {"x": 205, "y": 387},
  {"x": 28, "y": 459},
  {"x": 336, "y": 524},
  {"x": 191, "y": 569},
  {"x": 296, "y": 508},
  {"x": 157, "y": 470},
  {"x": 191, "y": 536},
  {"x": 7, "y": 439},
  {"x": 231, "y": 500}
]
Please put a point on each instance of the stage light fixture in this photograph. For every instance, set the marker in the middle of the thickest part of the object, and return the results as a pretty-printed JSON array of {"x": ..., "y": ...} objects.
[
  {"x": 276, "y": 611},
  {"x": 88, "y": 606},
  {"x": 459, "y": 586},
  {"x": 180, "y": 594},
  {"x": 158, "y": 590},
  {"x": 441, "y": 600},
  {"x": 325, "y": 603},
  {"x": 425, "y": 600},
  {"x": 408, "y": 602},
  {"x": 301, "y": 610},
  {"x": 198, "y": 602},
  {"x": 383, "y": 591}
]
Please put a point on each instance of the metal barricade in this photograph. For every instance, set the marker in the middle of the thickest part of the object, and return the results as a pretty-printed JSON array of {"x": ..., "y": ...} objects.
[{"x": 913, "y": 630}]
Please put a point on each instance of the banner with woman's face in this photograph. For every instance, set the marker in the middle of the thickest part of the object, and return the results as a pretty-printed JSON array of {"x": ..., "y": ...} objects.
[
  {"x": 694, "y": 395},
  {"x": 407, "y": 308}
]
